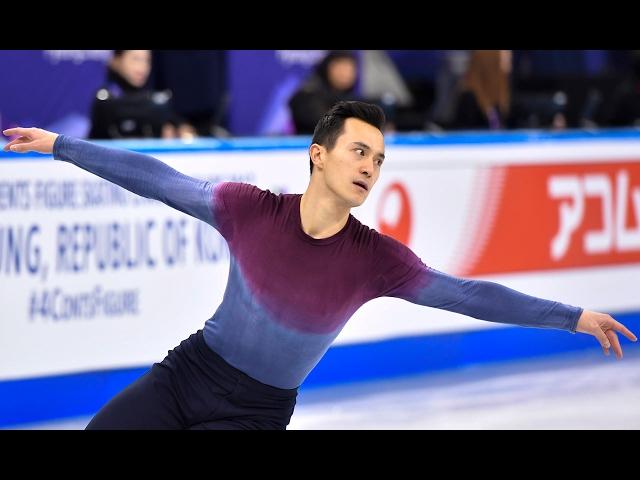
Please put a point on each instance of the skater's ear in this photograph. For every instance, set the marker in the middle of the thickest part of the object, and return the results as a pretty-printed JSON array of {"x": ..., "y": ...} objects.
[{"x": 317, "y": 155}]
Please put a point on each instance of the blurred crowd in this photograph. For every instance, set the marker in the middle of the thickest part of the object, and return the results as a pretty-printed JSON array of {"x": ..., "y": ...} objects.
[{"x": 184, "y": 94}]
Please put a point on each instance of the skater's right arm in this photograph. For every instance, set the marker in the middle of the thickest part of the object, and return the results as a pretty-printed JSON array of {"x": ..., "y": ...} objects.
[{"x": 138, "y": 173}]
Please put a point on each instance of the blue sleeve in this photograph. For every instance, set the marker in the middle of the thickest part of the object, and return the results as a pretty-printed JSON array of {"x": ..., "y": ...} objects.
[
  {"x": 141, "y": 174},
  {"x": 493, "y": 302},
  {"x": 406, "y": 276}
]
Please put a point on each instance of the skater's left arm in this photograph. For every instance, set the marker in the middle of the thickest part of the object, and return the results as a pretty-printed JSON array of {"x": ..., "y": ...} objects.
[{"x": 402, "y": 274}]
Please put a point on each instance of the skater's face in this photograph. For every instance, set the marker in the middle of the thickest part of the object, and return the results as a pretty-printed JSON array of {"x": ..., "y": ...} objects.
[{"x": 357, "y": 157}]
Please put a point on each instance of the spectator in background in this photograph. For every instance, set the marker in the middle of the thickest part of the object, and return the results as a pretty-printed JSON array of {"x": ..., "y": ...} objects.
[
  {"x": 452, "y": 69},
  {"x": 382, "y": 84},
  {"x": 333, "y": 80},
  {"x": 198, "y": 82},
  {"x": 125, "y": 108},
  {"x": 485, "y": 96}
]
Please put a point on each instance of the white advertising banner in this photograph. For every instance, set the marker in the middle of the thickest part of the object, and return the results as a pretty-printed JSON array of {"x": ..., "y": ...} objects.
[{"x": 94, "y": 277}]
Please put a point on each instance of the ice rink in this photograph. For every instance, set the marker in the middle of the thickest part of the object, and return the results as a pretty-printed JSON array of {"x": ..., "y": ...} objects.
[{"x": 577, "y": 391}]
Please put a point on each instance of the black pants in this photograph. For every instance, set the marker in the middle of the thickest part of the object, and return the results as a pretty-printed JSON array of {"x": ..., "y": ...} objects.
[{"x": 194, "y": 388}]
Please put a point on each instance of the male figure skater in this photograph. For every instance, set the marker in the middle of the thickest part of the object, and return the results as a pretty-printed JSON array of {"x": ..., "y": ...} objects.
[{"x": 300, "y": 266}]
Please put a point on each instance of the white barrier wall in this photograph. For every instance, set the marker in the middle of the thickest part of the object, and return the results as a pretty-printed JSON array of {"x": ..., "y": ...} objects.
[{"x": 93, "y": 277}]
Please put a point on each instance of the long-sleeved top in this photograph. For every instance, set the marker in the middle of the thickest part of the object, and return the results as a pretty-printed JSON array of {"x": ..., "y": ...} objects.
[{"x": 288, "y": 294}]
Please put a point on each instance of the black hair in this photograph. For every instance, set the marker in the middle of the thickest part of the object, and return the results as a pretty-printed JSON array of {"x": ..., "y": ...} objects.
[{"x": 331, "y": 125}]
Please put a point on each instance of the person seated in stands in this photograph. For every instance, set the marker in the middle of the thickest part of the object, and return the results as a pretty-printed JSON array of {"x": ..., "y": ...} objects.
[
  {"x": 485, "y": 96},
  {"x": 333, "y": 80},
  {"x": 125, "y": 108}
]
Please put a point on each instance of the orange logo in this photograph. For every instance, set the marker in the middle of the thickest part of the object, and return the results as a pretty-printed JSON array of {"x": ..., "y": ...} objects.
[{"x": 560, "y": 216}]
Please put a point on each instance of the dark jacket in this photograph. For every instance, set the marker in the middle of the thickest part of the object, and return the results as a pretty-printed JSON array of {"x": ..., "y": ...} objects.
[
  {"x": 314, "y": 98},
  {"x": 121, "y": 110}
]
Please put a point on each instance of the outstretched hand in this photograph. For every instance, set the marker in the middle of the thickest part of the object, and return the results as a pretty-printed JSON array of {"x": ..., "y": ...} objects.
[
  {"x": 30, "y": 140},
  {"x": 604, "y": 328}
]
